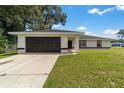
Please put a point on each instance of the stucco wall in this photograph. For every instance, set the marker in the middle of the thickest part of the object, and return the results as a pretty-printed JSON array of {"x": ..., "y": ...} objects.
[
  {"x": 91, "y": 43},
  {"x": 64, "y": 42},
  {"x": 106, "y": 43},
  {"x": 76, "y": 43},
  {"x": 21, "y": 44}
]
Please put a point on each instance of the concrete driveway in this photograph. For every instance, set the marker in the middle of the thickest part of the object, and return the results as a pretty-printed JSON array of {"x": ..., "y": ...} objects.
[{"x": 26, "y": 70}]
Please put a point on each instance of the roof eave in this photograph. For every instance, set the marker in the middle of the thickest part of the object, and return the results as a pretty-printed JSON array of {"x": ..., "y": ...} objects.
[
  {"x": 96, "y": 39},
  {"x": 43, "y": 33}
]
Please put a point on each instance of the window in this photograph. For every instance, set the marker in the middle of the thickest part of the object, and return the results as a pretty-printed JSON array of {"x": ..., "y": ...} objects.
[
  {"x": 99, "y": 43},
  {"x": 83, "y": 43}
]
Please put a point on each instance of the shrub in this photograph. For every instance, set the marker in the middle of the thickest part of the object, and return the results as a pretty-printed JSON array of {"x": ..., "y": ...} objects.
[{"x": 3, "y": 42}]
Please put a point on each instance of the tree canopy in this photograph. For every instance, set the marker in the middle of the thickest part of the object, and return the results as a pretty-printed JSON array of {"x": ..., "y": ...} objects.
[
  {"x": 121, "y": 33},
  {"x": 20, "y": 18}
]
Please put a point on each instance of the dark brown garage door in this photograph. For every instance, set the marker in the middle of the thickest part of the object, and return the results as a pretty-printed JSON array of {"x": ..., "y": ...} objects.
[{"x": 42, "y": 44}]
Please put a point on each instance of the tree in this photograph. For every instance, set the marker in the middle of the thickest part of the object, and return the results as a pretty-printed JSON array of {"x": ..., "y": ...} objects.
[
  {"x": 3, "y": 42},
  {"x": 121, "y": 34},
  {"x": 53, "y": 15},
  {"x": 21, "y": 18}
]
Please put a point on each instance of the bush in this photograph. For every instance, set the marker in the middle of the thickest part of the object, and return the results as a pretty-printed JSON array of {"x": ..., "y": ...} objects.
[{"x": 3, "y": 42}]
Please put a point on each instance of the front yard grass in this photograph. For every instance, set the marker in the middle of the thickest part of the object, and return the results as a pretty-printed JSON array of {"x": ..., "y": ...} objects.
[
  {"x": 100, "y": 68},
  {"x": 8, "y": 54}
]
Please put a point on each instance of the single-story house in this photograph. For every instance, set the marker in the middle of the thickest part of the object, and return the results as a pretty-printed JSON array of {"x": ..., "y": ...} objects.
[
  {"x": 47, "y": 41},
  {"x": 56, "y": 41}
]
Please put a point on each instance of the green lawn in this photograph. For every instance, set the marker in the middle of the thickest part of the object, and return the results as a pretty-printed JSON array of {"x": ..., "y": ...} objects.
[
  {"x": 7, "y": 54},
  {"x": 89, "y": 68}
]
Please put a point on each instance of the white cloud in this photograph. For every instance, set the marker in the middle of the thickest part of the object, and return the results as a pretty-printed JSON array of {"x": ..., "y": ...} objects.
[
  {"x": 109, "y": 36},
  {"x": 88, "y": 33},
  {"x": 105, "y": 10},
  {"x": 100, "y": 12},
  {"x": 120, "y": 7},
  {"x": 92, "y": 34},
  {"x": 56, "y": 26},
  {"x": 110, "y": 32},
  {"x": 93, "y": 11},
  {"x": 81, "y": 28}
]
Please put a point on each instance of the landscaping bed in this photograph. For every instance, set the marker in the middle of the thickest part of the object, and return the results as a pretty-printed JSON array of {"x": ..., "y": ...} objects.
[{"x": 8, "y": 54}]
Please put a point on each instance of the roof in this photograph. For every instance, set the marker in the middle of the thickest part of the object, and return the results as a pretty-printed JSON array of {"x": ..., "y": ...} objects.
[
  {"x": 46, "y": 32},
  {"x": 87, "y": 37},
  {"x": 55, "y": 30}
]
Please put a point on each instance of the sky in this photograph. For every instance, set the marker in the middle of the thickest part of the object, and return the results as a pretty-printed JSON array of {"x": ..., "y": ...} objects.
[{"x": 96, "y": 20}]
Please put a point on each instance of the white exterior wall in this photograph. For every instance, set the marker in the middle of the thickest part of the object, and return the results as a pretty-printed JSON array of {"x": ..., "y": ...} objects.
[
  {"x": 64, "y": 44},
  {"x": 76, "y": 43},
  {"x": 21, "y": 44},
  {"x": 106, "y": 43},
  {"x": 64, "y": 41},
  {"x": 91, "y": 43}
]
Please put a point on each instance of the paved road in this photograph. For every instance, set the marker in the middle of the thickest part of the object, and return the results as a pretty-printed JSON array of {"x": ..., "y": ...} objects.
[{"x": 26, "y": 70}]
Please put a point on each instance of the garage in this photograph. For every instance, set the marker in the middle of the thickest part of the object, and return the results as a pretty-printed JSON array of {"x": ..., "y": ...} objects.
[{"x": 43, "y": 44}]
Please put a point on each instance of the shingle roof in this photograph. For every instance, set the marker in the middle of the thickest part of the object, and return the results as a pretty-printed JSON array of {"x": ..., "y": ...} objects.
[
  {"x": 85, "y": 37},
  {"x": 47, "y": 32},
  {"x": 54, "y": 30}
]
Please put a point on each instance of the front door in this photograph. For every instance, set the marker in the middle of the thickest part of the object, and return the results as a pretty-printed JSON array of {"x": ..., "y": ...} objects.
[
  {"x": 70, "y": 44},
  {"x": 99, "y": 43}
]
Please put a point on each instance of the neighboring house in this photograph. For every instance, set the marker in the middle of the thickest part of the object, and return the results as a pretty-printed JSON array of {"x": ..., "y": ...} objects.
[
  {"x": 117, "y": 44},
  {"x": 57, "y": 41},
  {"x": 87, "y": 41}
]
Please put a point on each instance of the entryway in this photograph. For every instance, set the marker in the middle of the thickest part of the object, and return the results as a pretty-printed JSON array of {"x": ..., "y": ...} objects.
[
  {"x": 99, "y": 43},
  {"x": 69, "y": 44}
]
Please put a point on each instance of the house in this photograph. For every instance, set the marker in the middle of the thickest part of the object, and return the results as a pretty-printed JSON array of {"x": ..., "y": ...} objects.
[
  {"x": 117, "y": 44},
  {"x": 87, "y": 41},
  {"x": 57, "y": 41},
  {"x": 48, "y": 41}
]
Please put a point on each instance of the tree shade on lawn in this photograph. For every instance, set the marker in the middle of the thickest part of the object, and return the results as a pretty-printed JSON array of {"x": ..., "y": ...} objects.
[{"x": 89, "y": 69}]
